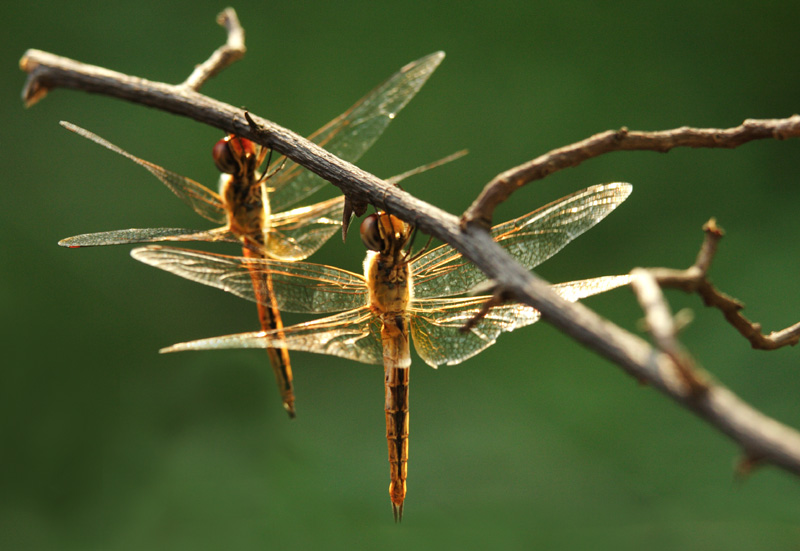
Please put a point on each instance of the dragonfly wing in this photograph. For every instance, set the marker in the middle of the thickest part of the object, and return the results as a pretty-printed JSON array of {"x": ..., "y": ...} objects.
[
  {"x": 436, "y": 327},
  {"x": 394, "y": 180},
  {"x": 531, "y": 239},
  {"x": 436, "y": 323},
  {"x": 355, "y": 335},
  {"x": 296, "y": 234},
  {"x": 297, "y": 286},
  {"x": 146, "y": 235},
  {"x": 574, "y": 291},
  {"x": 350, "y": 134},
  {"x": 205, "y": 202}
]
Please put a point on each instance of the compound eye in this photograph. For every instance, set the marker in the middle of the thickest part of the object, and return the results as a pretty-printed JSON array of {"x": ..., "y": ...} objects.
[
  {"x": 224, "y": 157},
  {"x": 371, "y": 234}
]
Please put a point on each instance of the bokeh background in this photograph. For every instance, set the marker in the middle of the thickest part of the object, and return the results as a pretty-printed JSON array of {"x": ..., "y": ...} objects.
[{"x": 104, "y": 444}]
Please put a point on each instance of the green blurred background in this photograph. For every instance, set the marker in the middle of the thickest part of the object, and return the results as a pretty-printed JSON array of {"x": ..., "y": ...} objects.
[{"x": 107, "y": 445}]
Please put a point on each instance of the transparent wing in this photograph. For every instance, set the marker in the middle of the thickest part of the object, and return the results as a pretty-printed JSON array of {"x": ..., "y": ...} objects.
[
  {"x": 205, "y": 202},
  {"x": 394, "y": 180},
  {"x": 146, "y": 235},
  {"x": 350, "y": 134},
  {"x": 297, "y": 286},
  {"x": 531, "y": 239},
  {"x": 574, "y": 291},
  {"x": 355, "y": 335},
  {"x": 296, "y": 234},
  {"x": 436, "y": 327},
  {"x": 436, "y": 323}
]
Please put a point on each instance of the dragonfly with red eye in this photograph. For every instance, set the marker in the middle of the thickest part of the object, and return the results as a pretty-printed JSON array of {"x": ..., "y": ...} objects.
[
  {"x": 252, "y": 209},
  {"x": 398, "y": 295}
]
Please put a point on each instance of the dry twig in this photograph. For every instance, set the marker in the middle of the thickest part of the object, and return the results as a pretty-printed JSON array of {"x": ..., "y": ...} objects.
[
  {"x": 695, "y": 280},
  {"x": 227, "y": 54},
  {"x": 504, "y": 184},
  {"x": 761, "y": 436},
  {"x": 661, "y": 325},
  {"x": 498, "y": 296}
]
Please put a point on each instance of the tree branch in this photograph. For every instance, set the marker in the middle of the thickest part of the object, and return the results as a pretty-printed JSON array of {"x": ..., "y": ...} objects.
[
  {"x": 759, "y": 436},
  {"x": 695, "y": 280},
  {"x": 504, "y": 184},
  {"x": 662, "y": 327},
  {"x": 223, "y": 56}
]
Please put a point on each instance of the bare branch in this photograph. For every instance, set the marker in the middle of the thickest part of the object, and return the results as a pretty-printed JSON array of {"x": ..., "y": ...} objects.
[
  {"x": 498, "y": 296},
  {"x": 223, "y": 56},
  {"x": 759, "y": 436},
  {"x": 505, "y": 183},
  {"x": 47, "y": 71},
  {"x": 695, "y": 280},
  {"x": 661, "y": 325}
]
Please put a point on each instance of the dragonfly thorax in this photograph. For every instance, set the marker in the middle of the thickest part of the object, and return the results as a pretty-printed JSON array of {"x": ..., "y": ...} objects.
[
  {"x": 247, "y": 208},
  {"x": 386, "y": 266},
  {"x": 243, "y": 192},
  {"x": 389, "y": 283}
]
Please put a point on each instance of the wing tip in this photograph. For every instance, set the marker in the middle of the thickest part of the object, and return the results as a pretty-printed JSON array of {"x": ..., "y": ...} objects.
[
  {"x": 625, "y": 189},
  {"x": 433, "y": 60},
  {"x": 67, "y": 242}
]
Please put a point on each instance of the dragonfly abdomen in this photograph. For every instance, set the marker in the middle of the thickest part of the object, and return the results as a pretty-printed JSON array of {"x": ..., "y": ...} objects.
[
  {"x": 270, "y": 319},
  {"x": 396, "y": 354}
]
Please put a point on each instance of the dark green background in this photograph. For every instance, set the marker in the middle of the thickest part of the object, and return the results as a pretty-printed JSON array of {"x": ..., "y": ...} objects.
[{"x": 107, "y": 445}]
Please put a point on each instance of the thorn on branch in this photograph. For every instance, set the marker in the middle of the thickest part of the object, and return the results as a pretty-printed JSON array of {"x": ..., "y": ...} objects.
[
  {"x": 253, "y": 124},
  {"x": 352, "y": 207},
  {"x": 747, "y": 464},
  {"x": 264, "y": 136}
]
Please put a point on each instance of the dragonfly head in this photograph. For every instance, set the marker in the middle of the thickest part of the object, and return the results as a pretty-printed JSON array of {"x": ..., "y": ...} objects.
[
  {"x": 232, "y": 154},
  {"x": 385, "y": 233}
]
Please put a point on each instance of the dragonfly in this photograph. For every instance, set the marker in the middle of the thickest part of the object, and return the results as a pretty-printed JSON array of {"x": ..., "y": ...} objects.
[
  {"x": 252, "y": 205},
  {"x": 399, "y": 295}
]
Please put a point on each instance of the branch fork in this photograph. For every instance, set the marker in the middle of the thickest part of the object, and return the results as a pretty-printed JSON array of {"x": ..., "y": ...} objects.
[{"x": 695, "y": 280}]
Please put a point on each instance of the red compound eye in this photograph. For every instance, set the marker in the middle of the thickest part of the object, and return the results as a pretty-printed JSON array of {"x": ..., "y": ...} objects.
[
  {"x": 224, "y": 157},
  {"x": 230, "y": 152}
]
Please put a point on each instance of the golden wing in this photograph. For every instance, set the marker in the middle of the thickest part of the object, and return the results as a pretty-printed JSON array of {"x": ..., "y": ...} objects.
[
  {"x": 354, "y": 335},
  {"x": 147, "y": 235},
  {"x": 436, "y": 327},
  {"x": 349, "y": 135},
  {"x": 205, "y": 202},
  {"x": 531, "y": 239},
  {"x": 436, "y": 323},
  {"x": 297, "y": 286},
  {"x": 298, "y": 233}
]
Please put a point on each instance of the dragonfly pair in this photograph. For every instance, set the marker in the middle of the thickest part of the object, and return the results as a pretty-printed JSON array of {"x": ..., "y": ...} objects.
[{"x": 399, "y": 297}]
